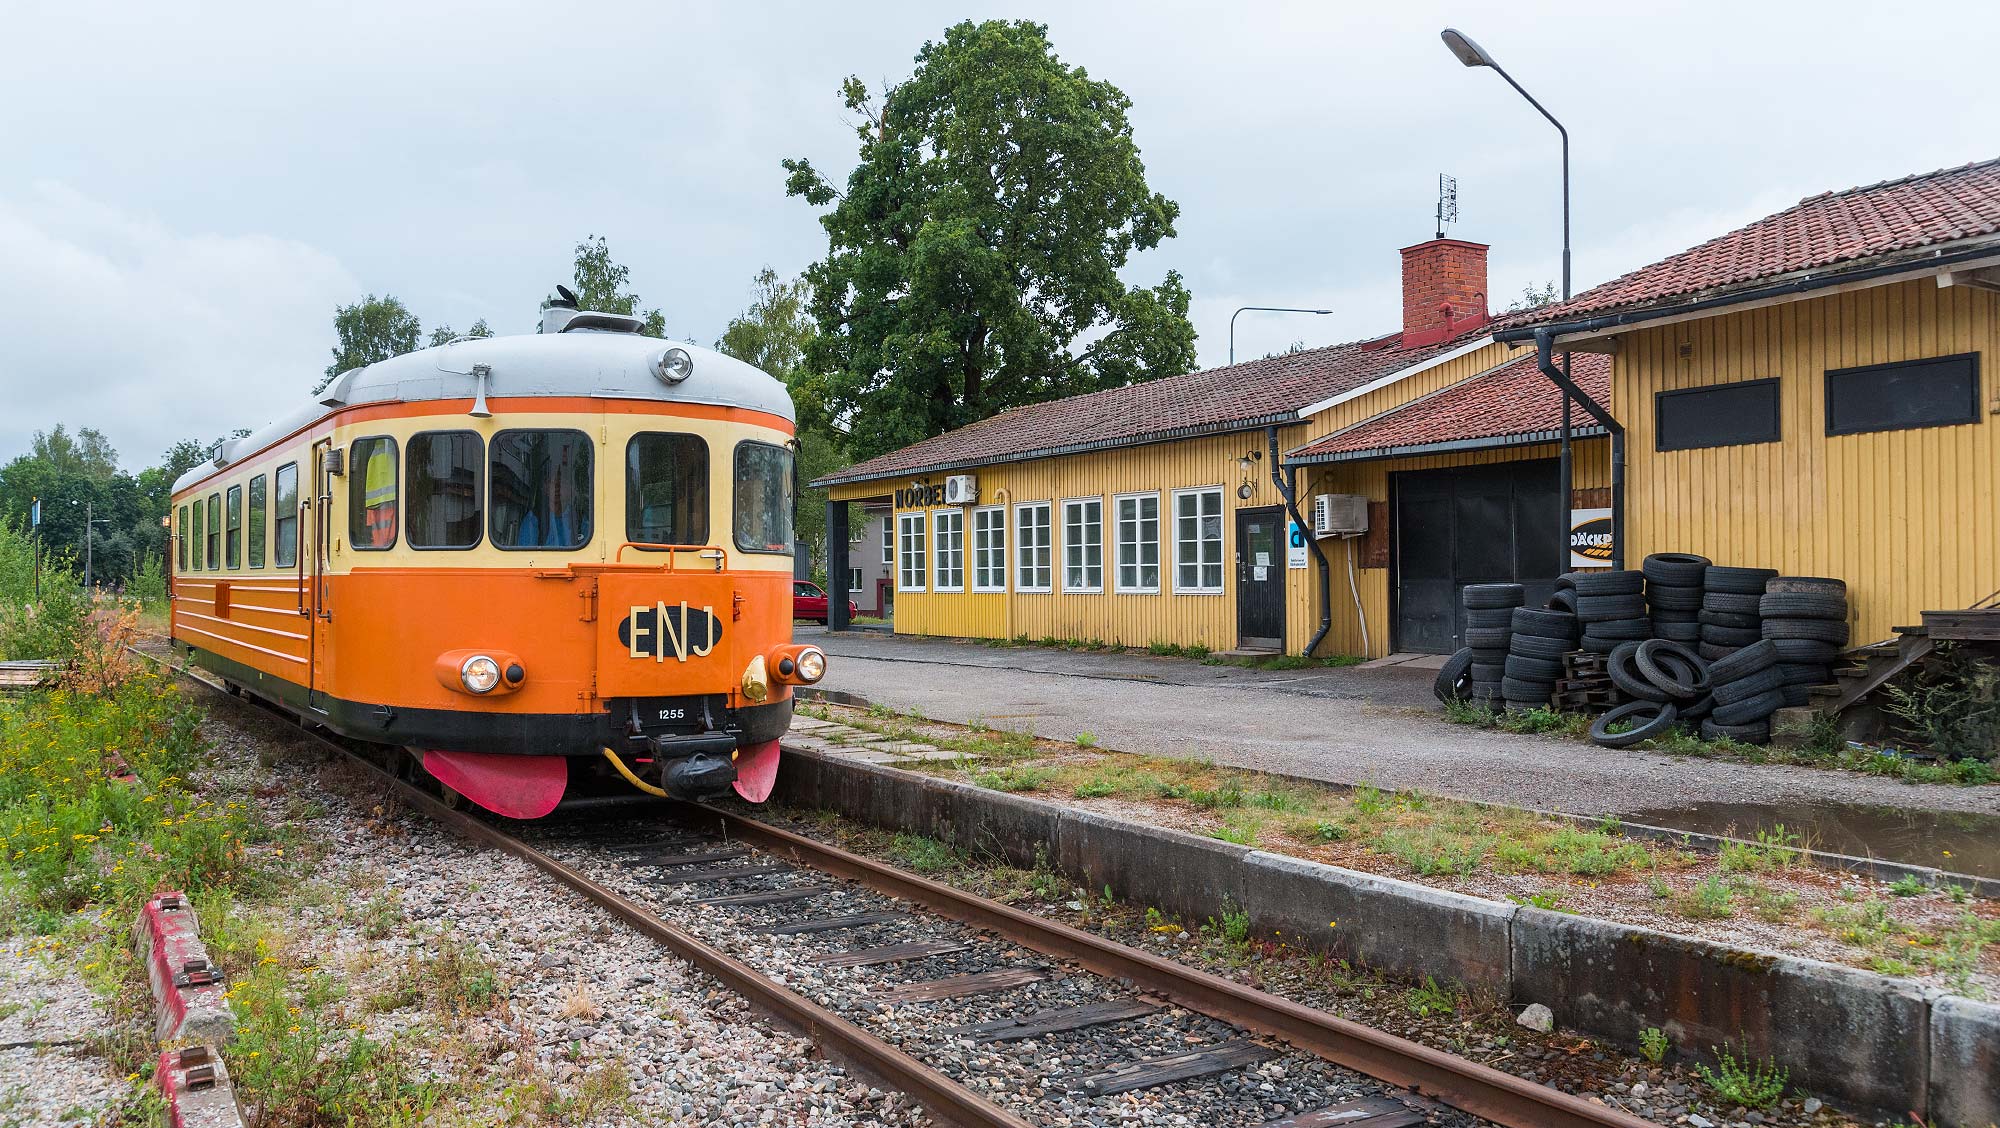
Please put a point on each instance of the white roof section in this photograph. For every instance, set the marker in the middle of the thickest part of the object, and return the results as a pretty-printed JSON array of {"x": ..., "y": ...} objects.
[
  {"x": 1400, "y": 374},
  {"x": 579, "y": 362}
]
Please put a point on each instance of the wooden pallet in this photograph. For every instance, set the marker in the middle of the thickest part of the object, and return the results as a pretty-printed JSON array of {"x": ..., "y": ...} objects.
[{"x": 1585, "y": 664}]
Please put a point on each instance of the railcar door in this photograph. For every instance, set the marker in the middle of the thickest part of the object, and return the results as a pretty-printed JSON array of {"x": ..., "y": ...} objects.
[{"x": 317, "y": 510}]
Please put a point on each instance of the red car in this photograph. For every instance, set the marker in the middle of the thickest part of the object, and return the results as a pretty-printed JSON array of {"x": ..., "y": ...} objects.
[{"x": 809, "y": 602}]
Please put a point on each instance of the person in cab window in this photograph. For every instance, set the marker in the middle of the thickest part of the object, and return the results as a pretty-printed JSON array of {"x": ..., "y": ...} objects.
[
  {"x": 378, "y": 497},
  {"x": 551, "y": 528}
]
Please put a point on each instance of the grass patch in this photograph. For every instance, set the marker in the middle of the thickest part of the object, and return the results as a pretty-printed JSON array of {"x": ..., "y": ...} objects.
[
  {"x": 1773, "y": 849},
  {"x": 1747, "y": 1082}
]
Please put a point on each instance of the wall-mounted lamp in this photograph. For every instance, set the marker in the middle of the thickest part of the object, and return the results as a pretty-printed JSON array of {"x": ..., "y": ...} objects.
[{"x": 1248, "y": 465}]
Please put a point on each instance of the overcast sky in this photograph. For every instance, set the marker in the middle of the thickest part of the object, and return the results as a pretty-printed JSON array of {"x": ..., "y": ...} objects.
[{"x": 187, "y": 190}]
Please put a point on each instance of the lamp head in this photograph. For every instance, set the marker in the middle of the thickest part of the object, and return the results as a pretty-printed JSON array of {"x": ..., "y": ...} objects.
[{"x": 1466, "y": 51}]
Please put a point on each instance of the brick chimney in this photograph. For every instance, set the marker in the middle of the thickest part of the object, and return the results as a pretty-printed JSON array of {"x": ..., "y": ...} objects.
[{"x": 1444, "y": 290}]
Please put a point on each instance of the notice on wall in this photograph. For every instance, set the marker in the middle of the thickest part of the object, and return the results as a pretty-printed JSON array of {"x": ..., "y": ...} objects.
[
  {"x": 1590, "y": 538},
  {"x": 1263, "y": 560},
  {"x": 1260, "y": 572},
  {"x": 1295, "y": 545}
]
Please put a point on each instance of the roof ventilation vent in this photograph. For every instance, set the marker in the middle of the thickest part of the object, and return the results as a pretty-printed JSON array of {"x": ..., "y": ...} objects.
[{"x": 561, "y": 315}]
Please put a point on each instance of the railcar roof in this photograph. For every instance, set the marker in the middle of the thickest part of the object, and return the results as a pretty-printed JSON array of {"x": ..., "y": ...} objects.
[{"x": 582, "y": 362}]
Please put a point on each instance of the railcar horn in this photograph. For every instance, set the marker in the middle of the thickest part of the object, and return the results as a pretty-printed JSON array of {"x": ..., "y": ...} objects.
[{"x": 480, "y": 373}]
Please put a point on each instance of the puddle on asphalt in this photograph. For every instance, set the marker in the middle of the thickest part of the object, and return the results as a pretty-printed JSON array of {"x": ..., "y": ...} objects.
[{"x": 1949, "y": 840}]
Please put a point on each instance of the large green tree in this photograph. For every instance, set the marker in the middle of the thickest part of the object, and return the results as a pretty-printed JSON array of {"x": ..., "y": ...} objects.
[
  {"x": 974, "y": 256},
  {"x": 371, "y": 329},
  {"x": 773, "y": 333},
  {"x": 601, "y": 283},
  {"x": 445, "y": 334}
]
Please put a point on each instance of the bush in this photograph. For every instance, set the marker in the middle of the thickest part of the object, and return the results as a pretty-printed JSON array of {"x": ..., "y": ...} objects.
[
  {"x": 54, "y": 629},
  {"x": 1952, "y": 704}
]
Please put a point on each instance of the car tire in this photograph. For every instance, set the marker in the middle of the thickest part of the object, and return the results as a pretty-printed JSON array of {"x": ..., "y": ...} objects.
[
  {"x": 1675, "y": 569},
  {"x": 1567, "y": 581},
  {"x": 1758, "y": 732},
  {"x": 1672, "y": 667},
  {"x": 1796, "y": 696},
  {"x": 1487, "y": 638},
  {"x": 1563, "y": 600},
  {"x": 1610, "y": 583},
  {"x": 1744, "y": 662},
  {"x": 1806, "y": 651},
  {"x": 1662, "y": 598},
  {"x": 1713, "y": 653},
  {"x": 1804, "y": 673},
  {"x": 1798, "y": 605},
  {"x": 1749, "y": 710},
  {"x": 1523, "y": 668},
  {"x": 1602, "y": 608},
  {"x": 1489, "y": 671},
  {"x": 1731, "y": 602},
  {"x": 1592, "y": 644},
  {"x": 1660, "y": 717},
  {"x": 1625, "y": 630},
  {"x": 1817, "y": 630},
  {"x": 1487, "y": 596},
  {"x": 1807, "y": 585},
  {"x": 1711, "y": 618},
  {"x": 1547, "y": 624},
  {"x": 1677, "y": 632},
  {"x": 1454, "y": 678},
  {"x": 1528, "y": 692},
  {"x": 1698, "y": 708},
  {"x": 1748, "y": 686},
  {"x": 1730, "y": 636},
  {"x": 1737, "y": 581},
  {"x": 1540, "y": 646},
  {"x": 1625, "y": 674},
  {"x": 1489, "y": 617}
]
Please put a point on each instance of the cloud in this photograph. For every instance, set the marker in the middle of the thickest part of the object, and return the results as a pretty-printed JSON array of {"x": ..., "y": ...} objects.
[{"x": 149, "y": 334}]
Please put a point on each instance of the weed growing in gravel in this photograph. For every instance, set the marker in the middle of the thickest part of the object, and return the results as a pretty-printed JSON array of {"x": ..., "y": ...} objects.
[
  {"x": 1909, "y": 885},
  {"x": 1545, "y": 720},
  {"x": 1545, "y": 899},
  {"x": 1434, "y": 850},
  {"x": 1711, "y": 899},
  {"x": 1427, "y": 998},
  {"x": 1460, "y": 712},
  {"x": 1015, "y": 777},
  {"x": 1770, "y": 905},
  {"x": 1234, "y": 927},
  {"x": 1086, "y": 740},
  {"x": 1653, "y": 1044},
  {"x": 1233, "y": 834},
  {"x": 1776, "y": 848},
  {"x": 1096, "y": 787},
  {"x": 925, "y": 855},
  {"x": 1748, "y": 1082}
]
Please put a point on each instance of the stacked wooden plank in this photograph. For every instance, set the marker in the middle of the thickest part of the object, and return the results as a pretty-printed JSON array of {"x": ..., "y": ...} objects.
[{"x": 1585, "y": 686}]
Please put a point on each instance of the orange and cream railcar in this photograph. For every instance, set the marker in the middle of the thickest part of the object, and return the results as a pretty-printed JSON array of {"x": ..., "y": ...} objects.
[{"x": 520, "y": 558}]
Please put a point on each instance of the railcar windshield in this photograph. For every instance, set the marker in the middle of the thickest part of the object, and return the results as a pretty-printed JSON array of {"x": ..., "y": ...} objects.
[
  {"x": 542, "y": 489},
  {"x": 763, "y": 498},
  {"x": 371, "y": 514},
  {"x": 666, "y": 489},
  {"x": 445, "y": 503}
]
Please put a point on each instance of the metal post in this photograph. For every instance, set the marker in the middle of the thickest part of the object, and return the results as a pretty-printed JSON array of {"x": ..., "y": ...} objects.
[
  {"x": 89, "y": 528},
  {"x": 838, "y": 566}
]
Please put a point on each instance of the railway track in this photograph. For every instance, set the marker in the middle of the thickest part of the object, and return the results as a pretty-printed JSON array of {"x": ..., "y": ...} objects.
[{"x": 987, "y": 1015}]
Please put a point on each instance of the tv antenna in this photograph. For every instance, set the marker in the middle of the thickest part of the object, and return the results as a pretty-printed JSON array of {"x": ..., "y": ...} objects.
[{"x": 1447, "y": 211}]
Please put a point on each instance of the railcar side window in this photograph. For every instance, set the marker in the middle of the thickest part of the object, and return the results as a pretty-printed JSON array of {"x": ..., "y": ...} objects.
[
  {"x": 214, "y": 532},
  {"x": 286, "y": 528},
  {"x": 541, "y": 483},
  {"x": 181, "y": 538},
  {"x": 371, "y": 494},
  {"x": 233, "y": 545},
  {"x": 200, "y": 542},
  {"x": 446, "y": 494},
  {"x": 255, "y": 521},
  {"x": 763, "y": 498},
  {"x": 666, "y": 489}
]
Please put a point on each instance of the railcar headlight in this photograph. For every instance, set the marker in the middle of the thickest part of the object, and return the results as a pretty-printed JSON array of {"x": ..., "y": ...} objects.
[
  {"x": 812, "y": 664},
  {"x": 480, "y": 674},
  {"x": 674, "y": 366}
]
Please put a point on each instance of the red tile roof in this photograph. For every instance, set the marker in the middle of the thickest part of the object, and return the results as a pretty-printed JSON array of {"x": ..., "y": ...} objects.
[
  {"x": 1238, "y": 397},
  {"x": 1513, "y": 402},
  {"x": 1822, "y": 231}
]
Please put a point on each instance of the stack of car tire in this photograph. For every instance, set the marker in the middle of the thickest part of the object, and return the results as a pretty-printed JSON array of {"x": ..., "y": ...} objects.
[
  {"x": 1667, "y": 683},
  {"x": 1805, "y": 619},
  {"x": 1489, "y": 629},
  {"x": 1673, "y": 594},
  {"x": 1729, "y": 616},
  {"x": 1611, "y": 606},
  {"x": 1748, "y": 687},
  {"x": 1535, "y": 652}
]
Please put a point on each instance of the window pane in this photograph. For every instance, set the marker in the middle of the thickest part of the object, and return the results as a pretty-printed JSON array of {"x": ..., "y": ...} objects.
[
  {"x": 286, "y": 527},
  {"x": 371, "y": 506},
  {"x": 184, "y": 537},
  {"x": 234, "y": 518},
  {"x": 763, "y": 498},
  {"x": 541, "y": 489},
  {"x": 214, "y": 532},
  {"x": 256, "y": 521},
  {"x": 949, "y": 573},
  {"x": 446, "y": 494},
  {"x": 910, "y": 567},
  {"x": 666, "y": 489},
  {"x": 1083, "y": 544},
  {"x": 1721, "y": 415},
  {"x": 1892, "y": 397}
]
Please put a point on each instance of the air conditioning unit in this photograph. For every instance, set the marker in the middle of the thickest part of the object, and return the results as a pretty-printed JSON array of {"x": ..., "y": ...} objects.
[
  {"x": 961, "y": 489},
  {"x": 1340, "y": 515}
]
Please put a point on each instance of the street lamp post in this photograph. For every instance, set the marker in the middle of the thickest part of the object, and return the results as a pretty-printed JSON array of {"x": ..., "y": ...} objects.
[
  {"x": 1473, "y": 55},
  {"x": 90, "y": 523},
  {"x": 1267, "y": 309}
]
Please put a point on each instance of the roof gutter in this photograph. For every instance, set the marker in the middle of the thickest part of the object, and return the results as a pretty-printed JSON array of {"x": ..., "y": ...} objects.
[
  {"x": 1793, "y": 288},
  {"x": 1453, "y": 446}
]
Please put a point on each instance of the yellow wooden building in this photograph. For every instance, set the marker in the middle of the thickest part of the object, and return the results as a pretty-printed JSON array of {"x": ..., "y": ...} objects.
[{"x": 1802, "y": 394}]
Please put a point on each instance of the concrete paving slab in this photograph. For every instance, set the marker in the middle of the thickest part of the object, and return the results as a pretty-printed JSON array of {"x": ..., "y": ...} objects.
[{"x": 1965, "y": 1062}]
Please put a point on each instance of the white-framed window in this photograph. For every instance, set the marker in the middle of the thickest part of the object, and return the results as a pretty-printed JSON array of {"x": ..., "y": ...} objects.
[
  {"x": 1198, "y": 541},
  {"x": 989, "y": 549},
  {"x": 910, "y": 557},
  {"x": 1032, "y": 566},
  {"x": 888, "y": 542},
  {"x": 948, "y": 541},
  {"x": 854, "y": 577},
  {"x": 1083, "y": 544},
  {"x": 1138, "y": 541}
]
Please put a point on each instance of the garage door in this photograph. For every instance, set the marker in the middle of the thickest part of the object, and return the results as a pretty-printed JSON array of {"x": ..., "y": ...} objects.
[{"x": 1469, "y": 525}]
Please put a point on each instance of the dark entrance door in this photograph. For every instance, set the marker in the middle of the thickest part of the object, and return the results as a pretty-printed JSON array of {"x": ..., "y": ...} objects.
[
  {"x": 1469, "y": 525},
  {"x": 1260, "y": 578}
]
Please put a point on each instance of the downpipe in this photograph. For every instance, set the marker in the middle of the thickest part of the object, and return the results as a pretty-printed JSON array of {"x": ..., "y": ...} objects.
[
  {"x": 1545, "y": 360},
  {"x": 1289, "y": 490}
]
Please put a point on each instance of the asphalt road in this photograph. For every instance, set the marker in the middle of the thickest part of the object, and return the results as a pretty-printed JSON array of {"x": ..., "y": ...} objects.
[{"x": 1347, "y": 726}]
